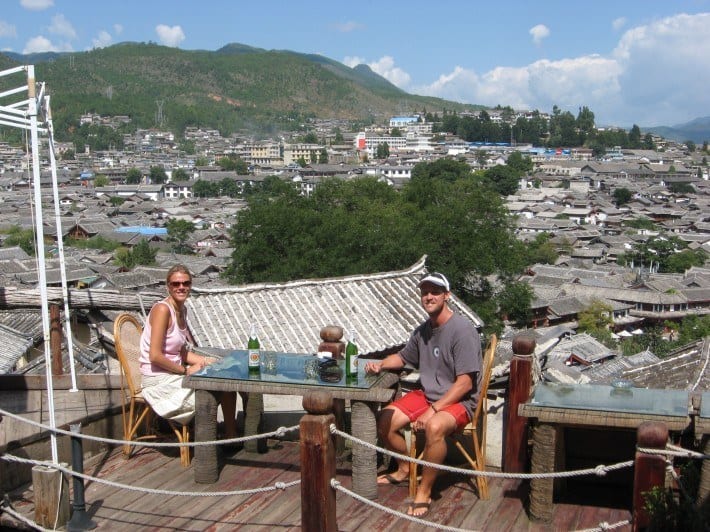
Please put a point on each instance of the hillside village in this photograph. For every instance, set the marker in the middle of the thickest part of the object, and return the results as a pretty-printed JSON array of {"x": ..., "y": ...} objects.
[{"x": 569, "y": 195}]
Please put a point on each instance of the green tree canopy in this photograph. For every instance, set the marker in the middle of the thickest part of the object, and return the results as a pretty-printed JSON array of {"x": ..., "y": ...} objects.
[
  {"x": 179, "y": 232},
  {"x": 363, "y": 226},
  {"x": 133, "y": 176},
  {"x": 158, "y": 175},
  {"x": 101, "y": 181},
  {"x": 622, "y": 195},
  {"x": 179, "y": 175}
]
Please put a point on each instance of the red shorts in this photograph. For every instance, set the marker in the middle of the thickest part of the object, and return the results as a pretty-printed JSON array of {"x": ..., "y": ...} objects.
[{"x": 414, "y": 404}]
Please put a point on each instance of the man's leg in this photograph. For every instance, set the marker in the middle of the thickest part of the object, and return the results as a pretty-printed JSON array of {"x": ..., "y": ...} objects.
[
  {"x": 437, "y": 428},
  {"x": 390, "y": 422}
]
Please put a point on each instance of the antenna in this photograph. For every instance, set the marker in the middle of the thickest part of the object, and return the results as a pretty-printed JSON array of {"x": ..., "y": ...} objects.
[{"x": 159, "y": 113}]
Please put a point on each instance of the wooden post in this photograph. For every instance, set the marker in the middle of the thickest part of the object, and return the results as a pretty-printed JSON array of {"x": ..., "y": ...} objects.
[
  {"x": 317, "y": 464},
  {"x": 51, "y": 490},
  {"x": 649, "y": 469},
  {"x": 515, "y": 427},
  {"x": 55, "y": 339}
]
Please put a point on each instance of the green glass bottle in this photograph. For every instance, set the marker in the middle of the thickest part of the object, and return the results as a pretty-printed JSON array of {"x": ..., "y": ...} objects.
[
  {"x": 351, "y": 358},
  {"x": 253, "y": 351}
]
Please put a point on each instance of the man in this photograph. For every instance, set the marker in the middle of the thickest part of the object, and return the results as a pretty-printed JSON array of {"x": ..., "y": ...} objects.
[{"x": 446, "y": 349}]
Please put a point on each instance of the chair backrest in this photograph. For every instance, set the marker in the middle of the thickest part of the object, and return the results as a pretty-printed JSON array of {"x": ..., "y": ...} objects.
[
  {"x": 488, "y": 356},
  {"x": 127, "y": 332}
]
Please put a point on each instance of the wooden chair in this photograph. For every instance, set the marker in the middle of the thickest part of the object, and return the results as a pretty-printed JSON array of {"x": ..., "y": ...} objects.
[
  {"x": 135, "y": 411},
  {"x": 476, "y": 429}
]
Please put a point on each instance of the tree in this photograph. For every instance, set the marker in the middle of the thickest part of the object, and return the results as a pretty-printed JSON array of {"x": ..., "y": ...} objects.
[
  {"x": 157, "y": 175},
  {"x": 622, "y": 195},
  {"x": 383, "y": 151},
  {"x": 541, "y": 251},
  {"x": 691, "y": 146},
  {"x": 101, "y": 181},
  {"x": 635, "y": 137},
  {"x": 179, "y": 232},
  {"x": 522, "y": 164},
  {"x": 143, "y": 254},
  {"x": 596, "y": 320},
  {"x": 301, "y": 162},
  {"x": 133, "y": 176},
  {"x": 179, "y": 175},
  {"x": 323, "y": 156},
  {"x": 503, "y": 179},
  {"x": 396, "y": 132},
  {"x": 514, "y": 302},
  {"x": 310, "y": 138},
  {"x": 24, "y": 238}
]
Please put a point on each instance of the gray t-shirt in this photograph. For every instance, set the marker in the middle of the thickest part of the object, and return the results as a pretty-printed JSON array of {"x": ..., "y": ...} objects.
[{"x": 442, "y": 353}]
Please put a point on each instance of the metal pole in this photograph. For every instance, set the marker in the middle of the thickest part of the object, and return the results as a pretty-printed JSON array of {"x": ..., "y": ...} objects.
[
  {"x": 60, "y": 245},
  {"x": 80, "y": 520},
  {"x": 41, "y": 266}
]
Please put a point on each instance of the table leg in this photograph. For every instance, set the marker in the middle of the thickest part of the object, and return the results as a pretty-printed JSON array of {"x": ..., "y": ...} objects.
[
  {"x": 364, "y": 426},
  {"x": 206, "y": 463},
  {"x": 542, "y": 461},
  {"x": 252, "y": 421},
  {"x": 703, "y": 501}
]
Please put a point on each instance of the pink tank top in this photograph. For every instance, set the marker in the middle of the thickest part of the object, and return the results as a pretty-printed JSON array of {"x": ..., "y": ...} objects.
[{"x": 175, "y": 338}]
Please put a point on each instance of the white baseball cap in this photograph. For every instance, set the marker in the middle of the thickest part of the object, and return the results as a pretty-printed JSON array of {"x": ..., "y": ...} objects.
[{"x": 436, "y": 278}]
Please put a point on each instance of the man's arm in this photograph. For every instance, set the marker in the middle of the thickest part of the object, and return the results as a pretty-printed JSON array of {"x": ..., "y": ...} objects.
[
  {"x": 389, "y": 363},
  {"x": 459, "y": 389}
]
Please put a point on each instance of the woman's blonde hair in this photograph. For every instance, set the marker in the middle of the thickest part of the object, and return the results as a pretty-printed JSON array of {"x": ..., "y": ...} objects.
[{"x": 178, "y": 268}]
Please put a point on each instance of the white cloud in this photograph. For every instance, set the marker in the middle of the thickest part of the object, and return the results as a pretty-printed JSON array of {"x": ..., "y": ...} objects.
[
  {"x": 36, "y": 5},
  {"x": 62, "y": 27},
  {"x": 102, "y": 40},
  {"x": 385, "y": 67},
  {"x": 170, "y": 35},
  {"x": 618, "y": 23},
  {"x": 7, "y": 30},
  {"x": 118, "y": 29},
  {"x": 539, "y": 33},
  {"x": 42, "y": 44},
  {"x": 657, "y": 74},
  {"x": 347, "y": 27}
]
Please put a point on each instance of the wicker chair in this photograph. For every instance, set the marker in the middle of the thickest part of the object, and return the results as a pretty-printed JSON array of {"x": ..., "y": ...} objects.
[
  {"x": 476, "y": 429},
  {"x": 135, "y": 410}
]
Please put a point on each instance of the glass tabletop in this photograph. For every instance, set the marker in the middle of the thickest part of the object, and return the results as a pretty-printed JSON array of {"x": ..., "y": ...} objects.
[
  {"x": 620, "y": 398},
  {"x": 285, "y": 368},
  {"x": 705, "y": 405}
]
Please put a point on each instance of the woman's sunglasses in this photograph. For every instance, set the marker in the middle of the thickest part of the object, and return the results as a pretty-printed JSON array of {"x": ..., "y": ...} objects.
[{"x": 178, "y": 284}]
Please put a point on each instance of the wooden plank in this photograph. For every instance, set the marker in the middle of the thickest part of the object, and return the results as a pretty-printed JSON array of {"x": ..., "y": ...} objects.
[{"x": 456, "y": 503}]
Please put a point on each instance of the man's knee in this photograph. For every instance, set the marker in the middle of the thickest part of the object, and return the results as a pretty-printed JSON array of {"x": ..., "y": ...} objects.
[{"x": 438, "y": 427}]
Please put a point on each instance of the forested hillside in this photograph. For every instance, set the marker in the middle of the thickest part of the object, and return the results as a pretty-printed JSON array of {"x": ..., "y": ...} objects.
[{"x": 236, "y": 87}]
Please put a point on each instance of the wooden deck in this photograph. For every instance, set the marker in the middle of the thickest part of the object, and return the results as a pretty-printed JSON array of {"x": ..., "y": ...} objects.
[{"x": 456, "y": 503}]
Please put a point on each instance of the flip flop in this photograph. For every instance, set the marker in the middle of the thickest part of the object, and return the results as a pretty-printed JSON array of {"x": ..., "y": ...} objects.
[
  {"x": 392, "y": 481},
  {"x": 418, "y": 505}
]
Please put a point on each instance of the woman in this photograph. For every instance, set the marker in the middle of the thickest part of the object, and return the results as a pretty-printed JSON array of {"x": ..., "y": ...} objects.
[{"x": 165, "y": 358}]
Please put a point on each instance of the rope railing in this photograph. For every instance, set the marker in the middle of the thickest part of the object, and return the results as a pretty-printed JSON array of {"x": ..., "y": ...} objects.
[
  {"x": 278, "y": 433},
  {"x": 600, "y": 470},
  {"x": 414, "y": 519},
  {"x": 154, "y": 491},
  {"x": 5, "y": 507},
  {"x": 674, "y": 450}
]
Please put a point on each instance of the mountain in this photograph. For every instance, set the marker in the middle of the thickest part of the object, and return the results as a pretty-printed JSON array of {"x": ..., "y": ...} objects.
[
  {"x": 697, "y": 130},
  {"x": 237, "y": 87}
]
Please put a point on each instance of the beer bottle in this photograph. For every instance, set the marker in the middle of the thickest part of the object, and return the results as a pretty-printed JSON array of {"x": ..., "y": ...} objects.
[
  {"x": 351, "y": 357},
  {"x": 253, "y": 351}
]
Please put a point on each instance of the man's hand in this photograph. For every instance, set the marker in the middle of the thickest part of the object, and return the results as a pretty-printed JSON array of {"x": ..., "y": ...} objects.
[
  {"x": 373, "y": 367},
  {"x": 421, "y": 421}
]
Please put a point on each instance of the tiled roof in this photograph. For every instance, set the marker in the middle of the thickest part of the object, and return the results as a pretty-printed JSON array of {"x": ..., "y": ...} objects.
[{"x": 383, "y": 308}]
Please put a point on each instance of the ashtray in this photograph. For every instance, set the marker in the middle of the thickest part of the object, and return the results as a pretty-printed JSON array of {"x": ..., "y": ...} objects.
[{"x": 622, "y": 384}]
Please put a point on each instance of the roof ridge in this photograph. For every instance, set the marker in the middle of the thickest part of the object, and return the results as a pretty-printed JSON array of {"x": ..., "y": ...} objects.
[{"x": 417, "y": 267}]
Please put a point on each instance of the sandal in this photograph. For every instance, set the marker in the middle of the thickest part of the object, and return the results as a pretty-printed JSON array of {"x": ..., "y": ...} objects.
[
  {"x": 417, "y": 506},
  {"x": 391, "y": 481}
]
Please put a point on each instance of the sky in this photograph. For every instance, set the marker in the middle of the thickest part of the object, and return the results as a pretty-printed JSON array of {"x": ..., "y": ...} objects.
[{"x": 644, "y": 62}]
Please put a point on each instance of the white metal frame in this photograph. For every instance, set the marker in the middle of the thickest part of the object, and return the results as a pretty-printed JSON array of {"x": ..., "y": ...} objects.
[{"x": 25, "y": 113}]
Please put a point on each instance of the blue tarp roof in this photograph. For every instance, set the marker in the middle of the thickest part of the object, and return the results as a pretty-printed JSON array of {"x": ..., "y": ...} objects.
[{"x": 142, "y": 230}]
